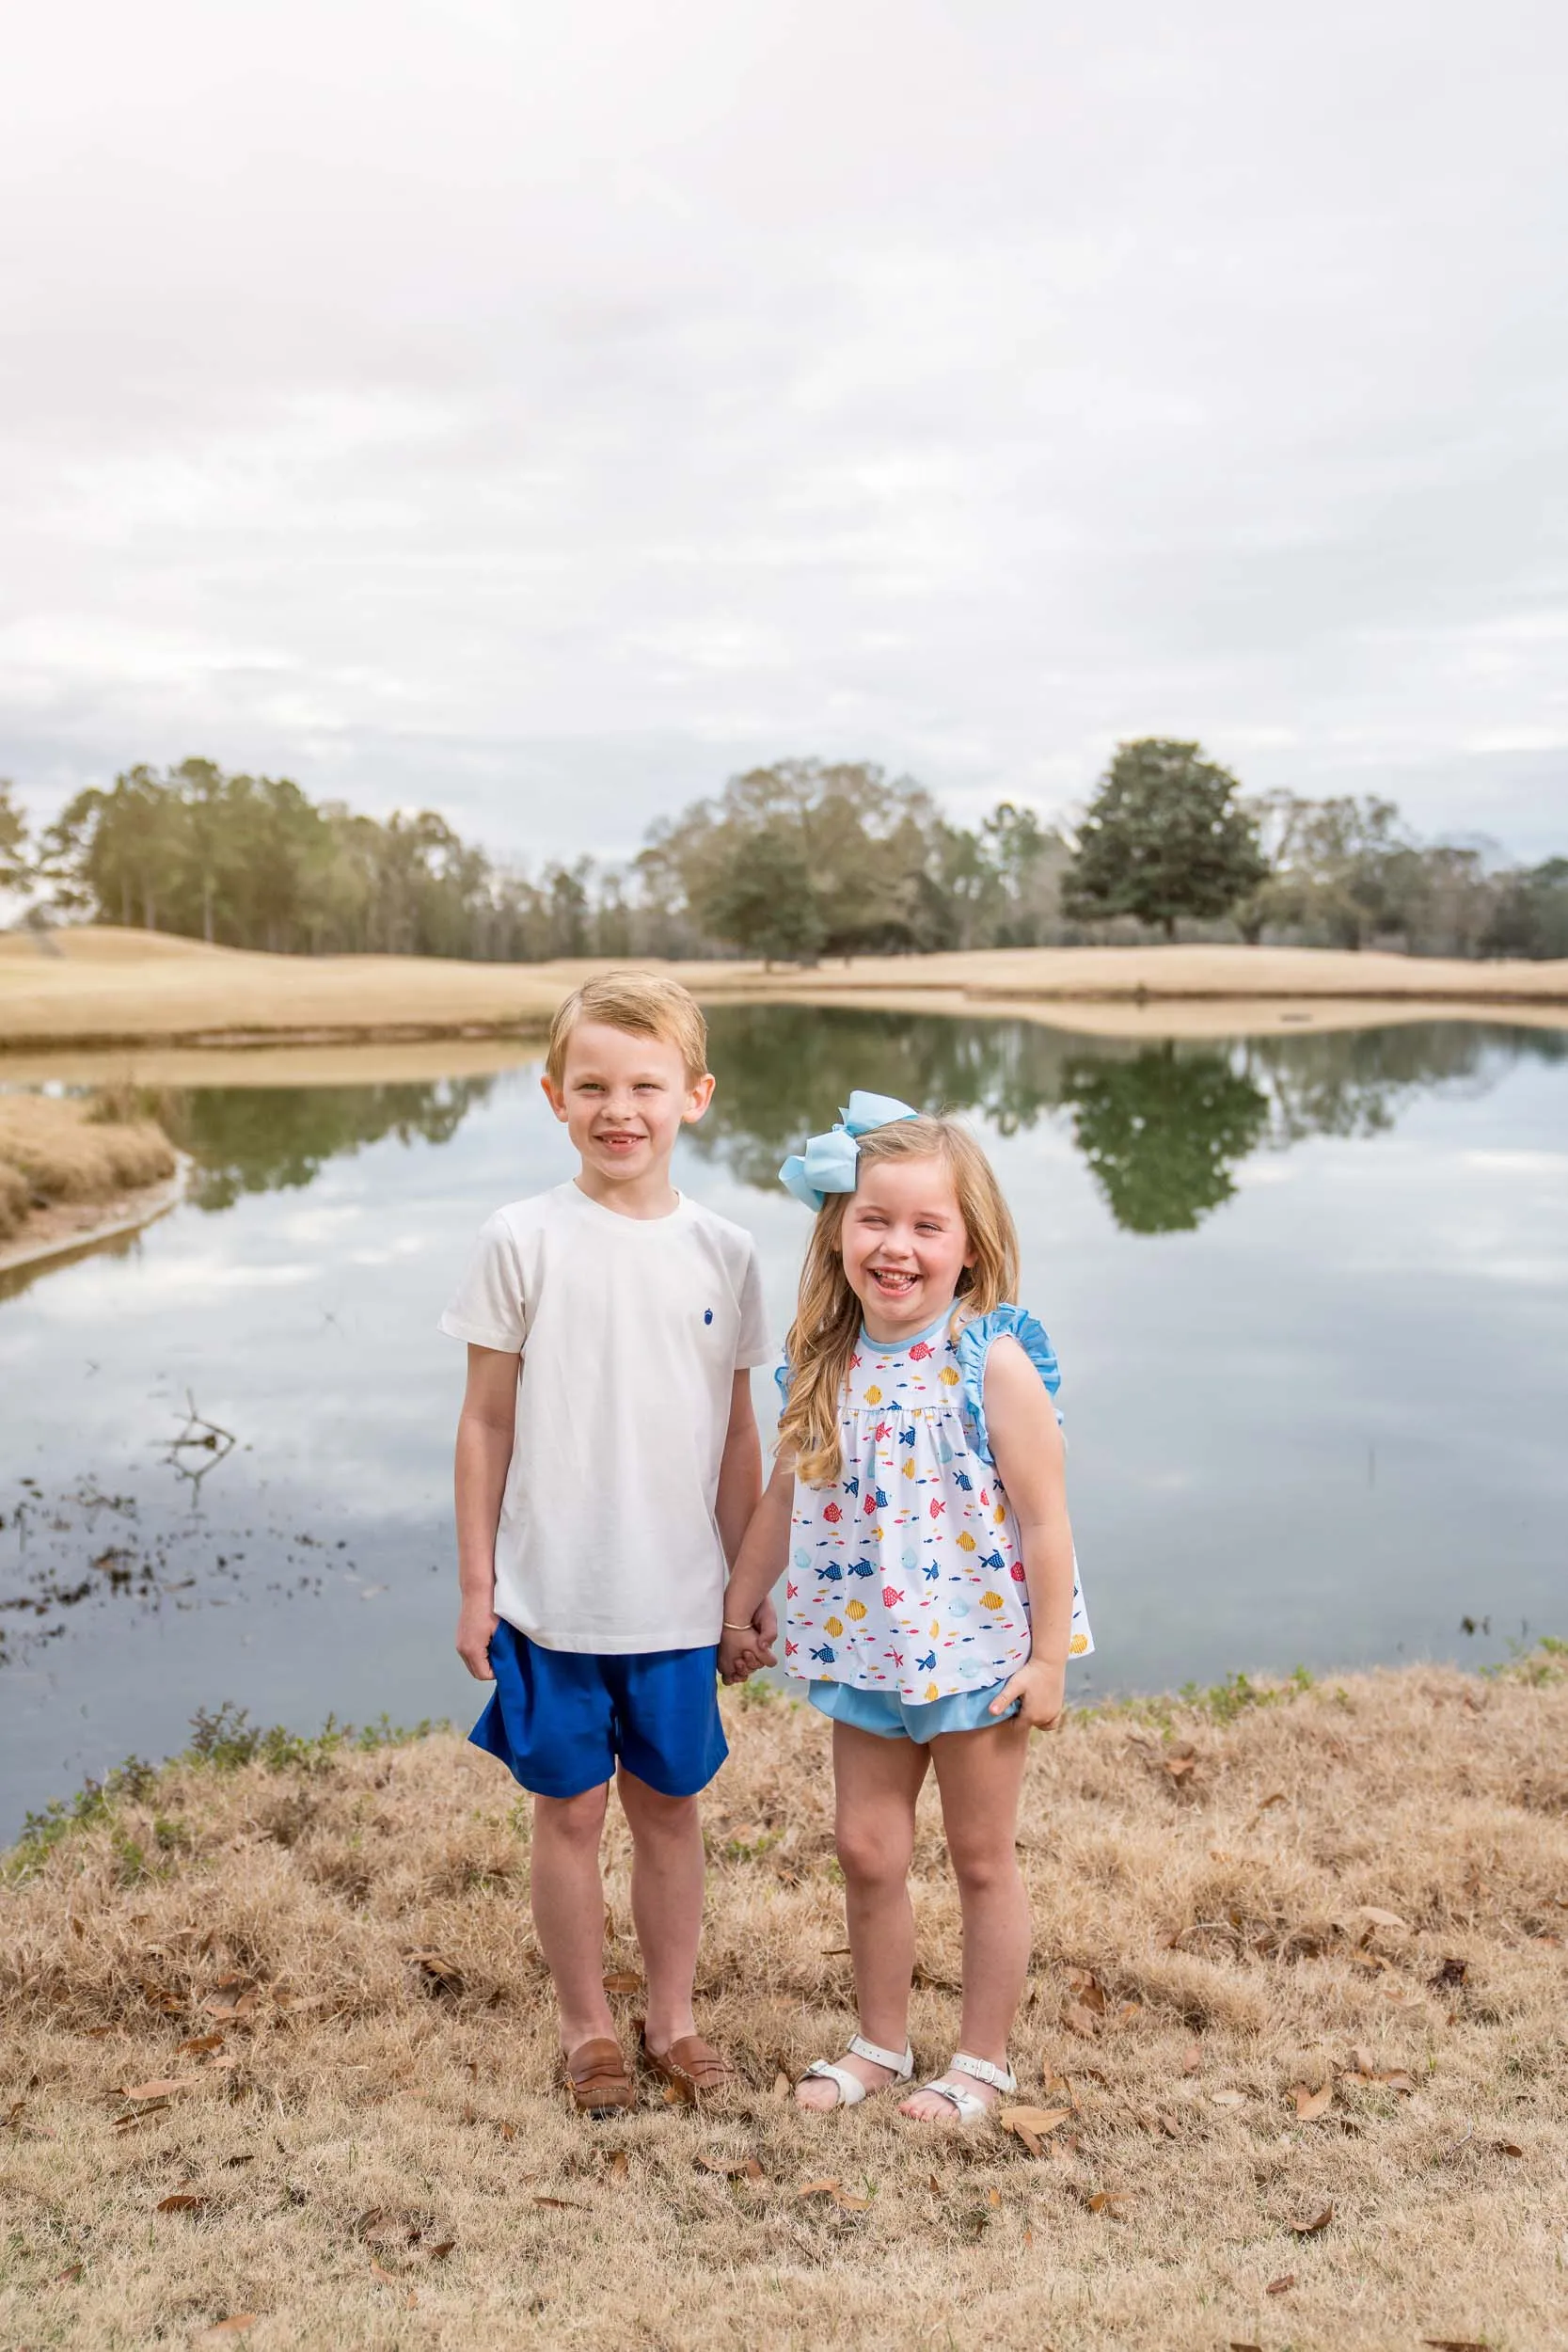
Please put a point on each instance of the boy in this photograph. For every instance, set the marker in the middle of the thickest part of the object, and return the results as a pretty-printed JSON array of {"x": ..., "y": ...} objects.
[{"x": 608, "y": 1462}]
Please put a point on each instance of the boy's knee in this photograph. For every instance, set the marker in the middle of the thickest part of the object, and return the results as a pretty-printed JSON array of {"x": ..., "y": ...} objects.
[
  {"x": 572, "y": 1820},
  {"x": 649, "y": 1811}
]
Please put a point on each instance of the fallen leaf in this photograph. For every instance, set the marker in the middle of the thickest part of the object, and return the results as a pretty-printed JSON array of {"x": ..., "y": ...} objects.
[
  {"x": 835, "y": 1951},
  {"x": 679, "y": 2094},
  {"x": 1193, "y": 2063},
  {"x": 780, "y": 2085},
  {"x": 441, "y": 1973},
  {"x": 733, "y": 2168},
  {"x": 1363, "y": 2060},
  {"x": 1131, "y": 2009},
  {"x": 1108, "y": 2202},
  {"x": 1455, "y": 2344},
  {"x": 67, "y": 2277},
  {"x": 1377, "y": 1918},
  {"x": 199, "y": 2043},
  {"x": 163, "y": 2089},
  {"x": 1179, "y": 1766},
  {"x": 1228, "y": 2098},
  {"x": 818, "y": 2189},
  {"x": 1237, "y": 2346},
  {"x": 387, "y": 2277},
  {"x": 618, "y": 2168},
  {"x": 1311, "y": 2104},
  {"x": 848, "y": 2202},
  {"x": 1081, "y": 2021},
  {"x": 994, "y": 2197},
  {"x": 623, "y": 1980},
  {"x": 1276, "y": 1797},
  {"x": 100, "y": 2033},
  {"x": 235, "y": 2324},
  {"x": 933, "y": 2183},
  {"x": 507, "y": 2131},
  {"x": 439, "y": 2253},
  {"x": 182, "y": 2202},
  {"x": 1313, "y": 2228},
  {"x": 563, "y": 2204},
  {"x": 1281, "y": 2286},
  {"x": 1033, "y": 2122},
  {"x": 1451, "y": 1971},
  {"x": 1506, "y": 2148},
  {"x": 1395, "y": 2078}
]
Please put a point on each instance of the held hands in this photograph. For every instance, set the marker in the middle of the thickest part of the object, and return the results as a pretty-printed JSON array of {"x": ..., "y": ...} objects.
[
  {"x": 476, "y": 1622},
  {"x": 1042, "y": 1687},
  {"x": 743, "y": 1653}
]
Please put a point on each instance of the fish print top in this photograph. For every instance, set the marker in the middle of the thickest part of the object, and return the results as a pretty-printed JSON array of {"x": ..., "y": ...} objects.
[{"x": 907, "y": 1576}]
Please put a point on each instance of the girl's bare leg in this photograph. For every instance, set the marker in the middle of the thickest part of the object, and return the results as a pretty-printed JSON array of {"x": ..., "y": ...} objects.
[
  {"x": 979, "y": 1774},
  {"x": 876, "y": 1783}
]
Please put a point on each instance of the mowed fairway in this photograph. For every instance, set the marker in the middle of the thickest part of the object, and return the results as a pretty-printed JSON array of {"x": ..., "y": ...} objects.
[
  {"x": 100, "y": 985},
  {"x": 276, "y": 2058}
]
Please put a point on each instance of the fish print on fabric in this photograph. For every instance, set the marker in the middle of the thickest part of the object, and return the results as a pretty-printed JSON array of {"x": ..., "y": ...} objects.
[{"x": 907, "y": 1574}]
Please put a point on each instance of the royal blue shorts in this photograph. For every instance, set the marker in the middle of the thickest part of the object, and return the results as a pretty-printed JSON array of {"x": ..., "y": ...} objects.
[{"x": 561, "y": 1720}]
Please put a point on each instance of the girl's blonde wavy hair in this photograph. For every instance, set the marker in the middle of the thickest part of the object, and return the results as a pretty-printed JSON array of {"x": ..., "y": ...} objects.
[{"x": 828, "y": 1314}]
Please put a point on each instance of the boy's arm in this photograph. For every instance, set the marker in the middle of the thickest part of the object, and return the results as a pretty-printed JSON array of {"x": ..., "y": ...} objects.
[
  {"x": 1031, "y": 1461},
  {"x": 757, "y": 1568},
  {"x": 485, "y": 1433},
  {"x": 740, "y": 1471}
]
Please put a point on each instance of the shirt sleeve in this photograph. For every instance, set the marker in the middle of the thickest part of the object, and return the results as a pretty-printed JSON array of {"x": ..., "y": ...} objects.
[
  {"x": 488, "y": 1307},
  {"x": 752, "y": 1345}
]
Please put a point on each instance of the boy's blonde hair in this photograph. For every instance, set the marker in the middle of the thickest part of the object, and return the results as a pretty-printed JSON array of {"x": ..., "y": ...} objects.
[
  {"x": 826, "y": 1324},
  {"x": 644, "y": 1003}
]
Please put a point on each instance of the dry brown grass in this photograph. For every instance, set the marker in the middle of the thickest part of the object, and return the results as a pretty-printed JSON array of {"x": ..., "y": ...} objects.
[
  {"x": 101, "y": 985},
  {"x": 59, "y": 1148},
  {"x": 1365, "y": 1881}
]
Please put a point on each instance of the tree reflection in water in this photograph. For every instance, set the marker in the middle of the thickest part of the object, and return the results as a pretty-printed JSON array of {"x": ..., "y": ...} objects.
[
  {"x": 1164, "y": 1126},
  {"x": 277, "y": 1138}
]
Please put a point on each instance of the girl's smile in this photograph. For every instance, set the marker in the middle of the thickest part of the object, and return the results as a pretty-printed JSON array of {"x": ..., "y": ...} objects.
[{"x": 904, "y": 1246}]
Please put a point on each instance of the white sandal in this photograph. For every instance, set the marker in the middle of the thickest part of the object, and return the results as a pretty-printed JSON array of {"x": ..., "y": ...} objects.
[
  {"x": 968, "y": 2108},
  {"x": 852, "y": 2090}
]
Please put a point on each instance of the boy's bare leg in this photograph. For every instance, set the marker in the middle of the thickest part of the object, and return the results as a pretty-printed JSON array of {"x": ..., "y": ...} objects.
[
  {"x": 567, "y": 1896},
  {"x": 666, "y": 1902}
]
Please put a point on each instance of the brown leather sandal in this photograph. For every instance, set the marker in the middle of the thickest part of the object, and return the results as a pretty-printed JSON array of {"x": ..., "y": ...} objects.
[
  {"x": 690, "y": 2065},
  {"x": 597, "y": 2077}
]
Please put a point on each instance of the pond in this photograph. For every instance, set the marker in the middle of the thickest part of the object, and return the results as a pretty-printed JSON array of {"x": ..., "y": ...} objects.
[{"x": 1309, "y": 1291}]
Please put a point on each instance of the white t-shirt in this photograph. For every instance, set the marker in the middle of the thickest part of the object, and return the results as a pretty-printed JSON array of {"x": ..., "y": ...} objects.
[{"x": 632, "y": 1331}]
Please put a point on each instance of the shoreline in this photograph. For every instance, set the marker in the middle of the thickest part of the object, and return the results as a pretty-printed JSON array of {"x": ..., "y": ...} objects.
[
  {"x": 100, "y": 991},
  {"x": 67, "y": 1229}
]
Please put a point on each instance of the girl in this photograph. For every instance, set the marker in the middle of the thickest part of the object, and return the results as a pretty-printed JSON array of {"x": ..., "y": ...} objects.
[{"x": 918, "y": 1508}]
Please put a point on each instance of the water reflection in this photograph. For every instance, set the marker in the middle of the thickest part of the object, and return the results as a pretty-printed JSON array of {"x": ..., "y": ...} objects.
[
  {"x": 277, "y": 1138},
  {"x": 1164, "y": 1126}
]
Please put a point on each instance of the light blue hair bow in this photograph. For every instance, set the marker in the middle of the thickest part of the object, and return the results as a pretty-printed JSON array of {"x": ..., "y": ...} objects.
[{"x": 828, "y": 1163}]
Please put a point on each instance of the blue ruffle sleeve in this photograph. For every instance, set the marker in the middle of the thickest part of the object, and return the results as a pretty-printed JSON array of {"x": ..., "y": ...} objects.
[
  {"x": 782, "y": 1378},
  {"x": 974, "y": 1346}
]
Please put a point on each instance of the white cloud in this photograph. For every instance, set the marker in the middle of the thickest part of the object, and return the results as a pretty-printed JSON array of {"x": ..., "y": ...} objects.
[{"x": 539, "y": 411}]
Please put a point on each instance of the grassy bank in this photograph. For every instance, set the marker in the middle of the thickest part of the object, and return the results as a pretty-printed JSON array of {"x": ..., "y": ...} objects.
[
  {"x": 274, "y": 2052},
  {"x": 107, "y": 986},
  {"x": 66, "y": 1163}
]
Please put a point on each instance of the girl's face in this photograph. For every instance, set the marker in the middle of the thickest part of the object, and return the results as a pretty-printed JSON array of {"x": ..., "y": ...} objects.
[{"x": 904, "y": 1246}]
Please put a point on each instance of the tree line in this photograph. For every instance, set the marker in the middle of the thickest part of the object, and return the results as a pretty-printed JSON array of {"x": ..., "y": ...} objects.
[{"x": 798, "y": 861}]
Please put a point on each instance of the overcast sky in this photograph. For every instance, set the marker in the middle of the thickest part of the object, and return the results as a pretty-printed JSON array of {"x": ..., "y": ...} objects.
[{"x": 540, "y": 412}]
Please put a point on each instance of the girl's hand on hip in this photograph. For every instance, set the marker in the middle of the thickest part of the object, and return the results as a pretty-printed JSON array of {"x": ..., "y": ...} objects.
[
  {"x": 476, "y": 1622},
  {"x": 1042, "y": 1689}
]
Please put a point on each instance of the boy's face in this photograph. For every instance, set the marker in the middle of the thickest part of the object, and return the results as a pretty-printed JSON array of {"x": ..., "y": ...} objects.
[{"x": 624, "y": 1101}]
